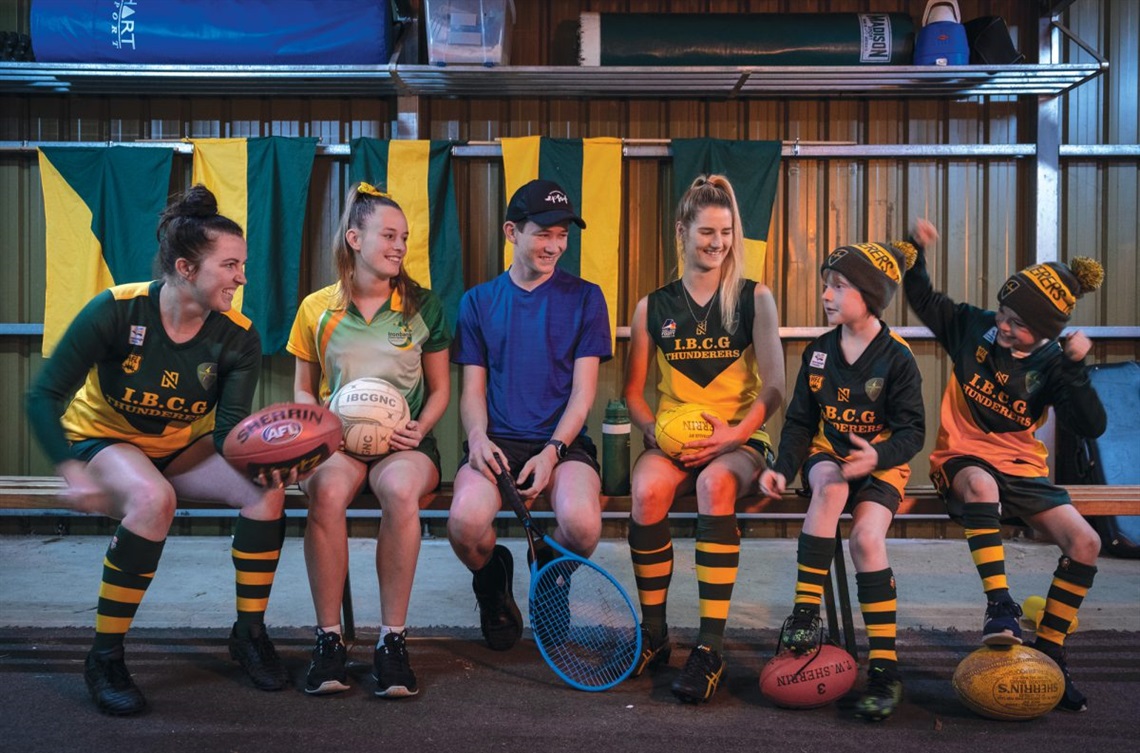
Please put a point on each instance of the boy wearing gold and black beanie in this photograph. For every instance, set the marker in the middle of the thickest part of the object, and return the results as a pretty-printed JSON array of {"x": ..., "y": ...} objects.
[
  {"x": 854, "y": 422},
  {"x": 1009, "y": 368}
]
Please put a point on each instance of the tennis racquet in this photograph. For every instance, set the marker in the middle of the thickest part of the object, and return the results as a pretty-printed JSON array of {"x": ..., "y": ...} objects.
[{"x": 583, "y": 621}]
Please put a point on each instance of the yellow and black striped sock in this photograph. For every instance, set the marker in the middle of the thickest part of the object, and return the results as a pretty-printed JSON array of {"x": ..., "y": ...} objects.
[
  {"x": 651, "y": 549},
  {"x": 256, "y": 551},
  {"x": 878, "y": 601},
  {"x": 1071, "y": 583},
  {"x": 128, "y": 568},
  {"x": 718, "y": 558},
  {"x": 983, "y": 535},
  {"x": 813, "y": 562}
]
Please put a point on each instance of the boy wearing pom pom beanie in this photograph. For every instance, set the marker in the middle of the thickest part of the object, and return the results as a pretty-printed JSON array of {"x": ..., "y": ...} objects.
[
  {"x": 1009, "y": 368},
  {"x": 854, "y": 422}
]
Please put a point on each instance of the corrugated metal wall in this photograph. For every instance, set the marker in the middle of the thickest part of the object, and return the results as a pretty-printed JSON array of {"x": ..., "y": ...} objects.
[{"x": 980, "y": 205}]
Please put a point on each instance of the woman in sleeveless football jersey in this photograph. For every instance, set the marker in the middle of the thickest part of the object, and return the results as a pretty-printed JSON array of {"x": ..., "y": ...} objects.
[
  {"x": 1009, "y": 368},
  {"x": 375, "y": 321},
  {"x": 164, "y": 370},
  {"x": 715, "y": 339},
  {"x": 855, "y": 420}
]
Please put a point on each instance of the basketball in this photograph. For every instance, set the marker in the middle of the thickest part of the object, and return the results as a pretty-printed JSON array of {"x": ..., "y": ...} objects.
[
  {"x": 370, "y": 409},
  {"x": 1032, "y": 609},
  {"x": 681, "y": 424},
  {"x": 1011, "y": 684},
  {"x": 809, "y": 680},
  {"x": 283, "y": 437}
]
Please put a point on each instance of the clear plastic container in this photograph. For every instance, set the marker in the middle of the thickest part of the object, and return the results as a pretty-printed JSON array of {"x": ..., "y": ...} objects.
[{"x": 469, "y": 32}]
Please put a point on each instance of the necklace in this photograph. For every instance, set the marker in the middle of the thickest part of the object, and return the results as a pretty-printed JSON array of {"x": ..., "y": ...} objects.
[{"x": 702, "y": 321}]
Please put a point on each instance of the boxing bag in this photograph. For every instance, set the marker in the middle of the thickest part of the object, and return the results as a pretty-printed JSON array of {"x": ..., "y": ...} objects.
[{"x": 212, "y": 32}]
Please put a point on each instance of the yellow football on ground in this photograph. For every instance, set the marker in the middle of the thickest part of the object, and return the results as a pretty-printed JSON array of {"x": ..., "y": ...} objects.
[{"x": 1011, "y": 684}]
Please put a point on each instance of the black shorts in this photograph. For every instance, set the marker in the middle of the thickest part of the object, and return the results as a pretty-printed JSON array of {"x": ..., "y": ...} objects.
[
  {"x": 86, "y": 450},
  {"x": 518, "y": 451},
  {"x": 868, "y": 489},
  {"x": 1020, "y": 497}
]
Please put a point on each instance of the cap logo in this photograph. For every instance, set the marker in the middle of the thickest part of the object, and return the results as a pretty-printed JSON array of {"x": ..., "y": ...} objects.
[
  {"x": 557, "y": 197},
  {"x": 1046, "y": 279},
  {"x": 882, "y": 259}
]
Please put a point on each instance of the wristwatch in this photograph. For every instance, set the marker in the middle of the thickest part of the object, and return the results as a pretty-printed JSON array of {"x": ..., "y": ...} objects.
[{"x": 559, "y": 447}]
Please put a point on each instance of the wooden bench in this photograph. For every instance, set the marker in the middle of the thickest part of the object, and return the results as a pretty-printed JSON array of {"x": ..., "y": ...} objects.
[{"x": 41, "y": 495}]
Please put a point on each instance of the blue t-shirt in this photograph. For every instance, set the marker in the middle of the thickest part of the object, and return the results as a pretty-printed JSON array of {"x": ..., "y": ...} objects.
[{"x": 528, "y": 341}]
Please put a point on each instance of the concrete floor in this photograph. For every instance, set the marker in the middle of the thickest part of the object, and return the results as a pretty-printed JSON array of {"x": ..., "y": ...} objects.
[{"x": 52, "y": 582}]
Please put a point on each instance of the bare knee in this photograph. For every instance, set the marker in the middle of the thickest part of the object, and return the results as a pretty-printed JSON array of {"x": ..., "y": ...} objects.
[
  {"x": 833, "y": 495},
  {"x": 153, "y": 501},
  {"x": 651, "y": 500},
  {"x": 866, "y": 543},
  {"x": 580, "y": 534},
  {"x": 980, "y": 487},
  {"x": 1085, "y": 547},
  {"x": 328, "y": 500},
  {"x": 399, "y": 503},
  {"x": 716, "y": 491}
]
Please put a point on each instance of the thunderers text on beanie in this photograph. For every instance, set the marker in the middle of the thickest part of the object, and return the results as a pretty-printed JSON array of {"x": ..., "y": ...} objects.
[
  {"x": 1044, "y": 295},
  {"x": 874, "y": 268}
]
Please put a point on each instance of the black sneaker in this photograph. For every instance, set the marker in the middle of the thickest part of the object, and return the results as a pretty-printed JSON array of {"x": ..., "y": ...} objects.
[
  {"x": 1073, "y": 700},
  {"x": 1002, "y": 626},
  {"x": 700, "y": 676},
  {"x": 327, "y": 672},
  {"x": 256, "y": 655},
  {"x": 110, "y": 683},
  {"x": 499, "y": 616},
  {"x": 881, "y": 696},
  {"x": 653, "y": 653},
  {"x": 390, "y": 667},
  {"x": 802, "y": 631}
]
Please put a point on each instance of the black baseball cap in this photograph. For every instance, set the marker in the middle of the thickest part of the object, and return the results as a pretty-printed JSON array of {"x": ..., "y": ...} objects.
[{"x": 543, "y": 202}]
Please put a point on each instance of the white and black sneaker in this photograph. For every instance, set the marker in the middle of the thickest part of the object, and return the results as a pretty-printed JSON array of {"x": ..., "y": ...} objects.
[
  {"x": 327, "y": 672},
  {"x": 391, "y": 668}
]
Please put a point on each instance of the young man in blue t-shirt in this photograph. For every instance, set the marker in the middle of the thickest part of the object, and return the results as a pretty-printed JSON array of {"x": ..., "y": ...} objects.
[{"x": 530, "y": 342}]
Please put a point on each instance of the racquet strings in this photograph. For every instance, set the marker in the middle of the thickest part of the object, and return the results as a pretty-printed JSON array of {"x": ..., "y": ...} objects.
[{"x": 584, "y": 623}]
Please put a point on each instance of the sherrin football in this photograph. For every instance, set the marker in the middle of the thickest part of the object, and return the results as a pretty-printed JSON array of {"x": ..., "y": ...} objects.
[
  {"x": 809, "y": 680},
  {"x": 680, "y": 424},
  {"x": 283, "y": 437},
  {"x": 1011, "y": 684}
]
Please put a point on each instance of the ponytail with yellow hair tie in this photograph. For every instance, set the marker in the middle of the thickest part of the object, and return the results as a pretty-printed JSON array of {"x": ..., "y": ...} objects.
[{"x": 371, "y": 190}]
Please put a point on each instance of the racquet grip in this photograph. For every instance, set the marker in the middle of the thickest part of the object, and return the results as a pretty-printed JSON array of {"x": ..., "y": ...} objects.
[{"x": 509, "y": 490}]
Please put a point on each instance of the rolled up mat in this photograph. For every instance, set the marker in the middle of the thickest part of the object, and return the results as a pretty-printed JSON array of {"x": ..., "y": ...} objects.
[
  {"x": 692, "y": 39},
  {"x": 221, "y": 32}
]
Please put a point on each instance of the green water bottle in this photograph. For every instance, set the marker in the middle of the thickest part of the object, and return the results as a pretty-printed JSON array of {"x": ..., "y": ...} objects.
[{"x": 615, "y": 449}]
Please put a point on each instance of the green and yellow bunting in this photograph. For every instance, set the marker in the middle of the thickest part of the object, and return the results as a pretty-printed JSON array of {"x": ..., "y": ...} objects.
[
  {"x": 753, "y": 168},
  {"x": 589, "y": 170},
  {"x": 101, "y": 211},
  {"x": 417, "y": 174},
  {"x": 263, "y": 185}
]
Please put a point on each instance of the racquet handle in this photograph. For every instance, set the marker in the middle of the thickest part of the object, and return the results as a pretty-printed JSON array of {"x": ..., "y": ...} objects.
[{"x": 509, "y": 491}]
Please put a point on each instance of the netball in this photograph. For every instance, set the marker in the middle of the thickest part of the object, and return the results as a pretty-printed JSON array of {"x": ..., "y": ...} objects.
[
  {"x": 1031, "y": 611},
  {"x": 370, "y": 409},
  {"x": 1012, "y": 684},
  {"x": 681, "y": 424}
]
